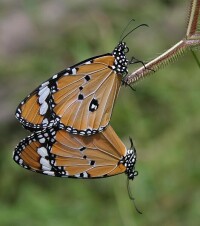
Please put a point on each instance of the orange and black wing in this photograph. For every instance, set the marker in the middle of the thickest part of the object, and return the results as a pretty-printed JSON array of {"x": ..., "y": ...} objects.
[
  {"x": 35, "y": 112},
  {"x": 58, "y": 153},
  {"x": 79, "y": 99}
]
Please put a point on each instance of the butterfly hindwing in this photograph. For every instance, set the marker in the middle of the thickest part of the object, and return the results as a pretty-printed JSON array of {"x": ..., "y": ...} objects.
[
  {"x": 56, "y": 152},
  {"x": 79, "y": 99}
]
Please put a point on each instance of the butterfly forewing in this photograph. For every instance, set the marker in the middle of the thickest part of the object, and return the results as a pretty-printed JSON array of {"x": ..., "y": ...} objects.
[
  {"x": 79, "y": 99},
  {"x": 58, "y": 153}
]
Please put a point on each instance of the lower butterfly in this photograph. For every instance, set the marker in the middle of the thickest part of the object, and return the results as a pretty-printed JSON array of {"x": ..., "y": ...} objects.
[{"x": 55, "y": 152}]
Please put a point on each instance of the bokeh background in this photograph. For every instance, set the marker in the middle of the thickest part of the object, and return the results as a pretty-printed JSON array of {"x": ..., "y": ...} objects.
[{"x": 40, "y": 38}]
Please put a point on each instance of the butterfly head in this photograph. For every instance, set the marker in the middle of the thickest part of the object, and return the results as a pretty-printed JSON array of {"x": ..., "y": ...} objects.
[
  {"x": 121, "y": 62},
  {"x": 129, "y": 161}
]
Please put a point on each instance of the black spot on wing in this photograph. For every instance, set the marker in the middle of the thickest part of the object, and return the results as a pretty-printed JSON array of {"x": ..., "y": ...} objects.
[
  {"x": 80, "y": 97},
  {"x": 92, "y": 163},
  {"x": 82, "y": 149},
  {"x": 93, "y": 105},
  {"x": 87, "y": 78}
]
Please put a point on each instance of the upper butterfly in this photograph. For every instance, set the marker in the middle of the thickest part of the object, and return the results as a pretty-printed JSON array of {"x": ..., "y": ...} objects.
[{"x": 78, "y": 99}]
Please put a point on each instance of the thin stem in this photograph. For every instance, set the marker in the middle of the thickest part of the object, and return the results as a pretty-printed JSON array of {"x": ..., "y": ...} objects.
[
  {"x": 193, "y": 18},
  {"x": 195, "y": 57}
]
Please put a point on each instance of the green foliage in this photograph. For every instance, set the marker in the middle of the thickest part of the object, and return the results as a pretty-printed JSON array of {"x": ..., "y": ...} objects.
[{"x": 162, "y": 115}]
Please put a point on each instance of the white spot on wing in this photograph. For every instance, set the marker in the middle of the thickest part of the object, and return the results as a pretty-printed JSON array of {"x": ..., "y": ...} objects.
[
  {"x": 85, "y": 174},
  {"x": 45, "y": 121},
  {"x": 66, "y": 174},
  {"x": 16, "y": 158},
  {"x": 89, "y": 132},
  {"x": 74, "y": 71},
  {"x": 88, "y": 62},
  {"x": 43, "y": 94},
  {"x": 42, "y": 151},
  {"x": 50, "y": 173},
  {"x": 94, "y": 106},
  {"x": 46, "y": 168},
  {"x": 44, "y": 84},
  {"x": 43, "y": 108},
  {"x": 45, "y": 164},
  {"x": 42, "y": 140}
]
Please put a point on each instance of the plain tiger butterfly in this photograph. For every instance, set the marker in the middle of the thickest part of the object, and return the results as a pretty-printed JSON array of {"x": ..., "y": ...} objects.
[
  {"x": 56, "y": 152},
  {"x": 79, "y": 99}
]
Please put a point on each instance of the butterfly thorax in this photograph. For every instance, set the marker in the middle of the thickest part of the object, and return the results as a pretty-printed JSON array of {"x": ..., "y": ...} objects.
[
  {"x": 129, "y": 161},
  {"x": 121, "y": 62}
]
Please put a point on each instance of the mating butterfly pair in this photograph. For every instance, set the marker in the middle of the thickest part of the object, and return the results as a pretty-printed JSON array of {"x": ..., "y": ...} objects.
[{"x": 66, "y": 111}]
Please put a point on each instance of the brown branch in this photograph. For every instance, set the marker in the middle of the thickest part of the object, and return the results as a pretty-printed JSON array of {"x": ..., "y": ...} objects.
[
  {"x": 193, "y": 18},
  {"x": 191, "y": 40}
]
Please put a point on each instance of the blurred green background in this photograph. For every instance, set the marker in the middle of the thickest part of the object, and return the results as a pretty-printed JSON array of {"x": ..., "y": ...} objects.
[{"x": 40, "y": 38}]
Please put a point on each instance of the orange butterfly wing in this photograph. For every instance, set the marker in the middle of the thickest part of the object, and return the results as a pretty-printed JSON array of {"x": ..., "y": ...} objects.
[
  {"x": 79, "y": 99},
  {"x": 85, "y": 102},
  {"x": 58, "y": 153},
  {"x": 35, "y": 111},
  {"x": 80, "y": 102}
]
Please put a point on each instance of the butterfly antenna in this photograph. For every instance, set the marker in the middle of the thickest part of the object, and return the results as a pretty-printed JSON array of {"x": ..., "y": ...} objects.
[
  {"x": 131, "y": 141},
  {"x": 132, "y": 145},
  {"x": 131, "y": 196},
  {"x": 141, "y": 25},
  {"x": 125, "y": 29}
]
